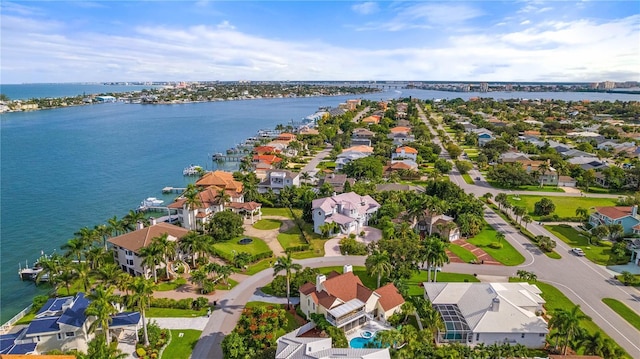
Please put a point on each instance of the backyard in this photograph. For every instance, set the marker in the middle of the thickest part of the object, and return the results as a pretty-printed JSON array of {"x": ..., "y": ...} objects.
[
  {"x": 267, "y": 224},
  {"x": 569, "y": 235},
  {"x": 565, "y": 206},
  {"x": 182, "y": 343},
  {"x": 283, "y": 212},
  {"x": 506, "y": 255},
  {"x": 229, "y": 248}
]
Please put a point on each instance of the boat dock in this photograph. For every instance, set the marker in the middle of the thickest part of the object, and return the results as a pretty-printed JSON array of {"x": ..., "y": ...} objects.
[
  {"x": 173, "y": 189},
  {"x": 229, "y": 157}
]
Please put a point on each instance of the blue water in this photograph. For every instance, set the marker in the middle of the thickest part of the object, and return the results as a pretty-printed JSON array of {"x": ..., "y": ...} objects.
[
  {"x": 67, "y": 168},
  {"x": 362, "y": 343},
  {"x": 25, "y": 92}
]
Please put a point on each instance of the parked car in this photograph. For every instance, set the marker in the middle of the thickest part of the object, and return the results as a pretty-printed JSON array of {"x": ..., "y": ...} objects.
[{"x": 578, "y": 252}]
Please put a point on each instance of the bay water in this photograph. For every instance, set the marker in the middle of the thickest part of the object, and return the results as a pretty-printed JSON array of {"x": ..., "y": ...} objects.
[{"x": 68, "y": 168}]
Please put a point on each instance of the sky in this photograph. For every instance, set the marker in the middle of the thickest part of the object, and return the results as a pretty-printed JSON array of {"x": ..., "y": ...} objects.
[{"x": 109, "y": 41}]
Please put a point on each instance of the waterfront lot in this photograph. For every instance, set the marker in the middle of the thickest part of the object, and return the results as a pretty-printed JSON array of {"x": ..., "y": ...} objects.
[{"x": 565, "y": 206}]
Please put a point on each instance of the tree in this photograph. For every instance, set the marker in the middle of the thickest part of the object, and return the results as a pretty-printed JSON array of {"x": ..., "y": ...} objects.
[
  {"x": 487, "y": 196},
  {"x": 454, "y": 150},
  {"x": 500, "y": 237},
  {"x": 364, "y": 168},
  {"x": 98, "y": 349},
  {"x": 151, "y": 257},
  {"x": 102, "y": 307},
  {"x": 140, "y": 298},
  {"x": 166, "y": 247},
  {"x": 519, "y": 212},
  {"x": 628, "y": 278},
  {"x": 599, "y": 233},
  {"x": 470, "y": 224},
  {"x": 225, "y": 226},
  {"x": 544, "y": 207},
  {"x": 501, "y": 199},
  {"x": 464, "y": 166},
  {"x": 287, "y": 265},
  {"x": 442, "y": 166},
  {"x": 615, "y": 231},
  {"x": 568, "y": 323},
  {"x": 546, "y": 244},
  {"x": 582, "y": 213},
  {"x": 587, "y": 179},
  {"x": 192, "y": 201},
  {"x": 526, "y": 219},
  {"x": 74, "y": 248},
  {"x": 543, "y": 168},
  {"x": 131, "y": 220},
  {"x": 378, "y": 264}
]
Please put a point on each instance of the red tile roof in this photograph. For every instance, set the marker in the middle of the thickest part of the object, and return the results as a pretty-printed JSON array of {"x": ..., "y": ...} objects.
[
  {"x": 141, "y": 238},
  {"x": 614, "y": 212},
  {"x": 406, "y": 149},
  {"x": 221, "y": 179},
  {"x": 389, "y": 297},
  {"x": 400, "y": 129}
]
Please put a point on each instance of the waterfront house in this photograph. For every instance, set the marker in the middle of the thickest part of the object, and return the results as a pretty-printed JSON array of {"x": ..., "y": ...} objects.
[
  {"x": 268, "y": 161},
  {"x": 307, "y": 343},
  {"x": 489, "y": 313},
  {"x": 337, "y": 181},
  {"x": 627, "y": 216},
  {"x": 126, "y": 247},
  {"x": 220, "y": 179},
  {"x": 266, "y": 150},
  {"x": 345, "y": 302},
  {"x": 276, "y": 180},
  {"x": 61, "y": 324},
  {"x": 350, "y": 211}
]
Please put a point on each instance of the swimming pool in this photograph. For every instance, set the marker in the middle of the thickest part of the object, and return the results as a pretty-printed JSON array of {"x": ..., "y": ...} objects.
[{"x": 359, "y": 343}]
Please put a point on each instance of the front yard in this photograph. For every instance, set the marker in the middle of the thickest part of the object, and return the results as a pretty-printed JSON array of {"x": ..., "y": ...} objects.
[
  {"x": 506, "y": 255},
  {"x": 229, "y": 248},
  {"x": 565, "y": 206},
  {"x": 569, "y": 235}
]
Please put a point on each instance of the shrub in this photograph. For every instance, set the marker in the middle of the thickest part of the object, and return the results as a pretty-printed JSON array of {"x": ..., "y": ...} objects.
[
  {"x": 38, "y": 302},
  {"x": 495, "y": 245},
  {"x": 141, "y": 352},
  {"x": 544, "y": 207},
  {"x": 300, "y": 248},
  {"x": 352, "y": 247},
  {"x": 200, "y": 302}
]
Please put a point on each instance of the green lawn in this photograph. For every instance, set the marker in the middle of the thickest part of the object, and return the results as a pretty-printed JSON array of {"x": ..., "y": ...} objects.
[
  {"x": 154, "y": 312},
  {"x": 290, "y": 238},
  {"x": 182, "y": 343},
  {"x": 533, "y": 188},
  {"x": 227, "y": 248},
  {"x": 625, "y": 312},
  {"x": 565, "y": 206},
  {"x": 415, "y": 282},
  {"x": 258, "y": 266},
  {"x": 172, "y": 285},
  {"x": 569, "y": 235},
  {"x": 283, "y": 212},
  {"x": 467, "y": 178},
  {"x": 26, "y": 319},
  {"x": 556, "y": 300},
  {"x": 506, "y": 255},
  {"x": 317, "y": 244},
  {"x": 267, "y": 224},
  {"x": 221, "y": 286},
  {"x": 463, "y": 253}
]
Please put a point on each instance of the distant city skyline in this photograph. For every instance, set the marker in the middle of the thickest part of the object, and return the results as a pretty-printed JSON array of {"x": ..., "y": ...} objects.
[{"x": 476, "y": 41}]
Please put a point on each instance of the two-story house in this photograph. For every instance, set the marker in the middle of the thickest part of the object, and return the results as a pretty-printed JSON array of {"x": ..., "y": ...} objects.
[
  {"x": 345, "y": 302},
  {"x": 211, "y": 200},
  {"x": 351, "y": 154},
  {"x": 126, "y": 247},
  {"x": 276, "y": 180},
  {"x": 350, "y": 211},
  {"x": 361, "y": 136},
  {"x": 61, "y": 324},
  {"x": 627, "y": 216},
  {"x": 405, "y": 152}
]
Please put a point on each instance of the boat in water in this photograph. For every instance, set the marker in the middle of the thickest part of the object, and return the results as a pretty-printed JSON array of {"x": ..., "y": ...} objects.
[
  {"x": 192, "y": 170},
  {"x": 151, "y": 202},
  {"x": 31, "y": 272}
]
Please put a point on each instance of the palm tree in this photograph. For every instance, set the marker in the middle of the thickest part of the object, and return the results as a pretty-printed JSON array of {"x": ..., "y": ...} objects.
[
  {"x": 151, "y": 257},
  {"x": 526, "y": 219},
  {"x": 543, "y": 168},
  {"x": 225, "y": 272},
  {"x": 51, "y": 268},
  {"x": 103, "y": 231},
  {"x": 108, "y": 273},
  {"x": 102, "y": 308},
  {"x": 98, "y": 349},
  {"x": 83, "y": 272},
  {"x": 166, "y": 247},
  {"x": 188, "y": 245},
  {"x": 74, "y": 248},
  {"x": 115, "y": 226},
  {"x": 500, "y": 237},
  {"x": 435, "y": 207},
  {"x": 593, "y": 344},
  {"x": 439, "y": 257},
  {"x": 192, "y": 200},
  {"x": 286, "y": 264},
  {"x": 140, "y": 298},
  {"x": 568, "y": 323},
  {"x": 379, "y": 264},
  {"x": 67, "y": 275},
  {"x": 132, "y": 219},
  {"x": 198, "y": 276},
  {"x": 305, "y": 176},
  {"x": 519, "y": 212},
  {"x": 582, "y": 212},
  {"x": 222, "y": 197},
  {"x": 96, "y": 257}
]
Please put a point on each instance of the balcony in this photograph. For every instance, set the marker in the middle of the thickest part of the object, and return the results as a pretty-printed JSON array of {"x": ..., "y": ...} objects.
[{"x": 338, "y": 322}]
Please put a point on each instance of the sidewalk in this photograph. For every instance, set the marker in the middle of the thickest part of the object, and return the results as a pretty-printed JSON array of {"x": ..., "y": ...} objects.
[{"x": 483, "y": 257}]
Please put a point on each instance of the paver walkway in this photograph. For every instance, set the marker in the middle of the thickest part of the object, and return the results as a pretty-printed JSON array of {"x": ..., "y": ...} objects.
[
  {"x": 270, "y": 236},
  {"x": 332, "y": 246},
  {"x": 453, "y": 258},
  {"x": 483, "y": 256}
]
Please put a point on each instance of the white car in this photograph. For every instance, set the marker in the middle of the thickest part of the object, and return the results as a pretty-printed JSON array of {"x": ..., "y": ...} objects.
[{"x": 578, "y": 252}]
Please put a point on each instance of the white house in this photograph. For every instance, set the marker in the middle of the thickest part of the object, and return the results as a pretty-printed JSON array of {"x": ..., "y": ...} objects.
[
  {"x": 127, "y": 247},
  {"x": 62, "y": 324},
  {"x": 345, "y": 302},
  {"x": 349, "y": 210},
  {"x": 405, "y": 152},
  {"x": 277, "y": 180},
  {"x": 489, "y": 313},
  {"x": 351, "y": 154},
  {"x": 299, "y": 345}
]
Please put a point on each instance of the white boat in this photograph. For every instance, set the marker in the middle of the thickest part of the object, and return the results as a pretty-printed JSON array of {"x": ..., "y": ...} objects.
[
  {"x": 192, "y": 170},
  {"x": 151, "y": 202}
]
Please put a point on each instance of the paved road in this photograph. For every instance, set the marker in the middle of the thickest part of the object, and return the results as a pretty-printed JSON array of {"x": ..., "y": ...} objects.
[
  {"x": 227, "y": 313},
  {"x": 581, "y": 280}
]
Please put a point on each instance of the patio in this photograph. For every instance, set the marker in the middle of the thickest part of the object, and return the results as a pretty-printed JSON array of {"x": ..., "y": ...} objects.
[
  {"x": 630, "y": 267},
  {"x": 372, "y": 326}
]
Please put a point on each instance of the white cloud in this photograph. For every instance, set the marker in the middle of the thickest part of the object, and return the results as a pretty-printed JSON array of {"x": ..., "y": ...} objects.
[
  {"x": 34, "y": 51},
  {"x": 365, "y": 8},
  {"x": 525, "y": 22},
  {"x": 425, "y": 16}
]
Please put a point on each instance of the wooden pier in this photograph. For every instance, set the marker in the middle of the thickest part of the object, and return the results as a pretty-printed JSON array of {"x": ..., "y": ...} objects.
[{"x": 230, "y": 157}]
